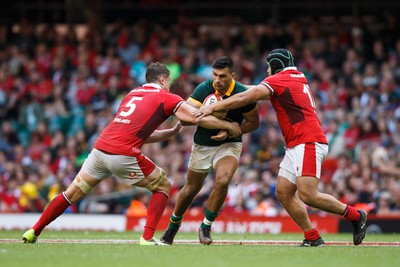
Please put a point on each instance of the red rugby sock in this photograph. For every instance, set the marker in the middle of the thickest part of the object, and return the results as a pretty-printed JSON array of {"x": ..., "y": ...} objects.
[
  {"x": 56, "y": 207},
  {"x": 311, "y": 235},
  {"x": 157, "y": 204},
  {"x": 351, "y": 213}
]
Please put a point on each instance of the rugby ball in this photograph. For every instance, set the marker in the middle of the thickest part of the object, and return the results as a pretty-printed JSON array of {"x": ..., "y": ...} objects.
[{"x": 211, "y": 99}]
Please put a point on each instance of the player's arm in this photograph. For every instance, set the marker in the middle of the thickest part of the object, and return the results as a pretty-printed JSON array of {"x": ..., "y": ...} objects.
[
  {"x": 161, "y": 135},
  {"x": 184, "y": 114},
  {"x": 195, "y": 105},
  {"x": 252, "y": 121},
  {"x": 249, "y": 86},
  {"x": 258, "y": 92}
]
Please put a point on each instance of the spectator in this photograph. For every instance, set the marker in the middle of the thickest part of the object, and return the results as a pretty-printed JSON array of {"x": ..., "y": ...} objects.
[{"x": 110, "y": 63}]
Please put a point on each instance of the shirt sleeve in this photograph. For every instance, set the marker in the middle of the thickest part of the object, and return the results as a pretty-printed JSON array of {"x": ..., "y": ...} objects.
[
  {"x": 172, "y": 103},
  {"x": 270, "y": 83},
  {"x": 201, "y": 92}
]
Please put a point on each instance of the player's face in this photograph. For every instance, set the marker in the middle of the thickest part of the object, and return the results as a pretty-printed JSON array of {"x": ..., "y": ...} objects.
[
  {"x": 268, "y": 69},
  {"x": 222, "y": 79}
]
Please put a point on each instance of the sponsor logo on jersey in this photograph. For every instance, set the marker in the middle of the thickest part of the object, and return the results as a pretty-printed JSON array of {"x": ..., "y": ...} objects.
[
  {"x": 301, "y": 75},
  {"x": 126, "y": 121}
]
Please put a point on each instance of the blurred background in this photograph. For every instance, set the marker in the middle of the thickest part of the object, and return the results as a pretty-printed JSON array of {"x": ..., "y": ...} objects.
[{"x": 66, "y": 65}]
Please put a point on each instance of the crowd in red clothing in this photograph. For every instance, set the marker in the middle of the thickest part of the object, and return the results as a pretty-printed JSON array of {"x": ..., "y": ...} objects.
[{"x": 58, "y": 91}]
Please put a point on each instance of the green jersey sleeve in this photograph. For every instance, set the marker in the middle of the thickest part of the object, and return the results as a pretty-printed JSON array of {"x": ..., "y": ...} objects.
[{"x": 202, "y": 91}]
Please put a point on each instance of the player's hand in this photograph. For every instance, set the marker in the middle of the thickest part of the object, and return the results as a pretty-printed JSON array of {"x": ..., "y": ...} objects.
[
  {"x": 235, "y": 130},
  {"x": 203, "y": 111},
  {"x": 222, "y": 135}
]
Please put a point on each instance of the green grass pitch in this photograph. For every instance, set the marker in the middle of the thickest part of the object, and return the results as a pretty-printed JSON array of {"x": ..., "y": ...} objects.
[{"x": 113, "y": 249}]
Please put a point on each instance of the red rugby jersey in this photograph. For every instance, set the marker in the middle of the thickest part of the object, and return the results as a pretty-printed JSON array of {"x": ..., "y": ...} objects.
[
  {"x": 295, "y": 107},
  {"x": 139, "y": 115}
]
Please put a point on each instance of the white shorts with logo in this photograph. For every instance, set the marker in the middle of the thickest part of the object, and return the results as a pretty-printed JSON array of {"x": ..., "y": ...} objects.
[
  {"x": 303, "y": 160},
  {"x": 130, "y": 170},
  {"x": 203, "y": 158}
]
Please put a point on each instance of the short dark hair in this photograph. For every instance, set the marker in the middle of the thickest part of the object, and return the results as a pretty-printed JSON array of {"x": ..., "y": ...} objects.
[
  {"x": 280, "y": 58},
  {"x": 222, "y": 63},
  {"x": 155, "y": 70}
]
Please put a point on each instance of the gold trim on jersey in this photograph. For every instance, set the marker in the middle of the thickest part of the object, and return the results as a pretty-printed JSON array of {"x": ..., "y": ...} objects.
[
  {"x": 194, "y": 101},
  {"x": 230, "y": 89}
]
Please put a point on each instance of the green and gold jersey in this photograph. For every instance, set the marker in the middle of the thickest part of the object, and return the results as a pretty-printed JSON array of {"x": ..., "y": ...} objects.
[{"x": 203, "y": 135}]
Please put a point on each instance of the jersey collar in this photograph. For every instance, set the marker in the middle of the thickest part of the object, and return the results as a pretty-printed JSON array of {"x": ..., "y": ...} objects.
[
  {"x": 230, "y": 89},
  {"x": 290, "y": 68},
  {"x": 152, "y": 85}
]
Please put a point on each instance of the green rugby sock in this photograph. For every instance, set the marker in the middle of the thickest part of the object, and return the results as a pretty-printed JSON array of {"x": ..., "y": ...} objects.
[
  {"x": 175, "y": 221},
  {"x": 209, "y": 219}
]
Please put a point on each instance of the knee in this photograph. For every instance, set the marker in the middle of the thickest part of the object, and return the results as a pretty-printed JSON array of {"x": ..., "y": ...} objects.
[
  {"x": 306, "y": 196},
  {"x": 222, "y": 181},
  {"x": 190, "y": 189},
  {"x": 280, "y": 195},
  {"x": 164, "y": 186}
]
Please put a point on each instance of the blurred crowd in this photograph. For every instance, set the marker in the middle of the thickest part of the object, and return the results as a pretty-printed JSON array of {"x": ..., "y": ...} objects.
[{"x": 58, "y": 91}]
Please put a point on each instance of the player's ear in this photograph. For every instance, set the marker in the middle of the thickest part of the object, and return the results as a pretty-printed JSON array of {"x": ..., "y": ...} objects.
[
  {"x": 163, "y": 79},
  {"x": 233, "y": 74}
]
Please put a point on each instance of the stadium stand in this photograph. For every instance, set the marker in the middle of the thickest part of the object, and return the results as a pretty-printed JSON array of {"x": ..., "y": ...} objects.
[{"x": 60, "y": 85}]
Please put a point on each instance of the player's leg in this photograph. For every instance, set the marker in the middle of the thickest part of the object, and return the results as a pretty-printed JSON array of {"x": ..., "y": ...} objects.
[
  {"x": 158, "y": 183},
  {"x": 78, "y": 189},
  {"x": 286, "y": 194},
  {"x": 200, "y": 163},
  {"x": 308, "y": 193},
  {"x": 224, "y": 169},
  {"x": 308, "y": 175},
  {"x": 225, "y": 163},
  {"x": 193, "y": 184},
  {"x": 142, "y": 172}
]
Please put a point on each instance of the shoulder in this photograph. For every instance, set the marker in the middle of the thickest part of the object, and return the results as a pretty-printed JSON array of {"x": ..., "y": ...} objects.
[
  {"x": 203, "y": 90},
  {"x": 240, "y": 87},
  {"x": 206, "y": 85},
  {"x": 170, "y": 95},
  {"x": 280, "y": 77}
]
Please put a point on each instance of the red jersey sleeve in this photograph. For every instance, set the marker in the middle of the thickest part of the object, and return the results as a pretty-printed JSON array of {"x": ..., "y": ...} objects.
[{"x": 172, "y": 103}]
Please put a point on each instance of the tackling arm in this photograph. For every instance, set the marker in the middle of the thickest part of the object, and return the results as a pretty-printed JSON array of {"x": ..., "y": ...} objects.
[
  {"x": 252, "y": 121},
  {"x": 184, "y": 114},
  {"x": 160, "y": 135},
  {"x": 259, "y": 92}
]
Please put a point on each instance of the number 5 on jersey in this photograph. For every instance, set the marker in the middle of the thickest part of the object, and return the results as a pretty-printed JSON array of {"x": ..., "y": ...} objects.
[{"x": 131, "y": 106}]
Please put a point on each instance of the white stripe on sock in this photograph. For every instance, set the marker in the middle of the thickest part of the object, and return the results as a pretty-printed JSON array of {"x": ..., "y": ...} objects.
[
  {"x": 207, "y": 222},
  {"x": 63, "y": 193}
]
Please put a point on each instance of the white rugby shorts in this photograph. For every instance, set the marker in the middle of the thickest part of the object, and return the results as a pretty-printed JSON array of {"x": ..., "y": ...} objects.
[
  {"x": 303, "y": 160},
  {"x": 203, "y": 158},
  {"x": 130, "y": 170}
]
